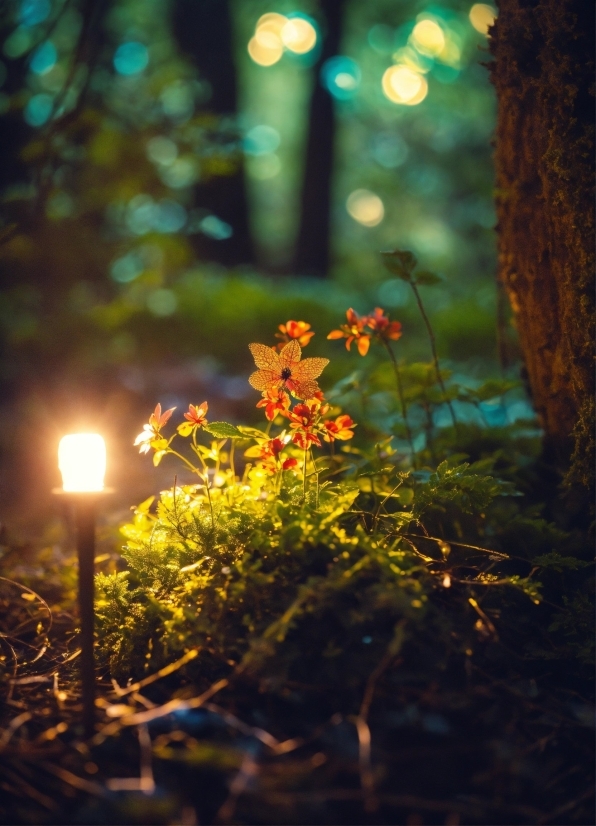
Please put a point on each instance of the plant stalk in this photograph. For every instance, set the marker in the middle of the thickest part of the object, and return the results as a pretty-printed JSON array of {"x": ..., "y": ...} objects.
[
  {"x": 304, "y": 476},
  {"x": 433, "y": 348},
  {"x": 402, "y": 401}
]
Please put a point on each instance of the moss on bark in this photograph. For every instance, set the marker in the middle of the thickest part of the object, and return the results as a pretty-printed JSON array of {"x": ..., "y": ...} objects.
[{"x": 543, "y": 72}]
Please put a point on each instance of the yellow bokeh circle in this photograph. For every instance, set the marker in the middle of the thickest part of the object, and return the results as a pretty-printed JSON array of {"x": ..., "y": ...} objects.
[
  {"x": 482, "y": 17},
  {"x": 428, "y": 37},
  {"x": 299, "y": 36},
  {"x": 401, "y": 84},
  {"x": 365, "y": 207}
]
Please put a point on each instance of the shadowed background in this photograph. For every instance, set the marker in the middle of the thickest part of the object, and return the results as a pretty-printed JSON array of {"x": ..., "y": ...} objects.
[{"x": 180, "y": 177}]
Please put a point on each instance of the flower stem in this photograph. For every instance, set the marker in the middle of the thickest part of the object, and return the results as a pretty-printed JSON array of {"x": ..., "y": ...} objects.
[
  {"x": 433, "y": 348},
  {"x": 304, "y": 476},
  {"x": 312, "y": 458},
  {"x": 232, "y": 464},
  {"x": 204, "y": 476},
  {"x": 402, "y": 401},
  {"x": 185, "y": 460}
]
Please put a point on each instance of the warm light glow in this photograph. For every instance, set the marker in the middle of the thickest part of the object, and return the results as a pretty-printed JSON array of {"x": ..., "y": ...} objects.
[
  {"x": 403, "y": 85},
  {"x": 482, "y": 16},
  {"x": 82, "y": 462},
  {"x": 267, "y": 40},
  {"x": 271, "y": 22},
  {"x": 298, "y": 35},
  {"x": 365, "y": 207},
  {"x": 428, "y": 37},
  {"x": 413, "y": 59},
  {"x": 265, "y": 48}
]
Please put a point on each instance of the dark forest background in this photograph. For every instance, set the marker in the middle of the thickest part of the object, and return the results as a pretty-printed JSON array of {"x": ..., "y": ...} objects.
[{"x": 167, "y": 199}]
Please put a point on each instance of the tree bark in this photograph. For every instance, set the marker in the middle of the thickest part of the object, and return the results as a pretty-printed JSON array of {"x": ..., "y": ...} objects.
[
  {"x": 544, "y": 74},
  {"x": 203, "y": 29},
  {"x": 313, "y": 240}
]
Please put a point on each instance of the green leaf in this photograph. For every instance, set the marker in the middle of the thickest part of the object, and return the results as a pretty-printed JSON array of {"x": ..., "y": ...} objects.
[
  {"x": 400, "y": 263},
  {"x": 223, "y": 430},
  {"x": 428, "y": 279},
  {"x": 465, "y": 486},
  {"x": 492, "y": 389}
]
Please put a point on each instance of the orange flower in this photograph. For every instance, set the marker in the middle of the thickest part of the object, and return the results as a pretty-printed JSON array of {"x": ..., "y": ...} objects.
[
  {"x": 150, "y": 434},
  {"x": 294, "y": 330},
  {"x": 339, "y": 429},
  {"x": 271, "y": 455},
  {"x": 384, "y": 328},
  {"x": 305, "y": 420},
  {"x": 285, "y": 371},
  {"x": 274, "y": 402},
  {"x": 353, "y": 331},
  {"x": 197, "y": 415}
]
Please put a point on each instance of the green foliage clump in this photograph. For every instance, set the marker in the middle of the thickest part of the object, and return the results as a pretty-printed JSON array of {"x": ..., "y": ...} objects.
[{"x": 282, "y": 566}]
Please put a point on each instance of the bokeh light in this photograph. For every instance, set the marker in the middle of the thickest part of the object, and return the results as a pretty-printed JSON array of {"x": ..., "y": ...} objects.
[
  {"x": 169, "y": 217},
  {"x": 263, "y": 167},
  {"x": 272, "y": 23},
  {"x": 482, "y": 17},
  {"x": 17, "y": 43},
  {"x": 131, "y": 58},
  {"x": 44, "y": 58},
  {"x": 394, "y": 293},
  {"x": 403, "y": 85},
  {"x": 299, "y": 35},
  {"x": 389, "y": 150},
  {"x": 162, "y": 150},
  {"x": 365, "y": 207},
  {"x": 413, "y": 59},
  {"x": 140, "y": 214},
  {"x": 261, "y": 140},
  {"x": 127, "y": 268},
  {"x": 181, "y": 173},
  {"x": 32, "y": 12},
  {"x": 38, "y": 109},
  {"x": 162, "y": 302},
  {"x": 451, "y": 52},
  {"x": 428, "y": 37},
  {"x": 177, "y": 100},
  {"x": 53, "y": 81},
  {"x": 341, "y": 76},
  {"x": 265, "y": 48},
  {"x": 215, "y": 228}
]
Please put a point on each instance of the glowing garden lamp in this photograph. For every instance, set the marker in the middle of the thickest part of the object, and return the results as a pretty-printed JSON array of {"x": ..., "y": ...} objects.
[{"x": 82, "y": 462}]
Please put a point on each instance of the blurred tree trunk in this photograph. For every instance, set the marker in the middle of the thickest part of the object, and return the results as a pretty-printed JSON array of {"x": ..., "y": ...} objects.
[
  {"x": 203, "y": 29},
  {"x": 544, "y": 75},
  {"x": 313, "y": 241}
]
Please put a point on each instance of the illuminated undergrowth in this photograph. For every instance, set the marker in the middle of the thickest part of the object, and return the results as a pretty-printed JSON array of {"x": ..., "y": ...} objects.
[{"x": 325, "y": 621}]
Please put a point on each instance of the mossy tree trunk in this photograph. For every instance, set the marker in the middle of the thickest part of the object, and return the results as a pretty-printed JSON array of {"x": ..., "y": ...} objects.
[{"x": 544, "y": 76}]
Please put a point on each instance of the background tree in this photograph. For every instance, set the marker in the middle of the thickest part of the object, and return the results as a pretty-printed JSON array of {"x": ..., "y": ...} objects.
[
  {"x": 203, "y": 29},
  {"x": 313, "y": 240},
  {"x": 544, "y": 75}
]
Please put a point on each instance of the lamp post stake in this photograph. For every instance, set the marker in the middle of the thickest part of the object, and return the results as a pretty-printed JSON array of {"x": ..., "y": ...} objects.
[
  {"x": 82, "y": 462},
  {"x": 85, "y": 507}
]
